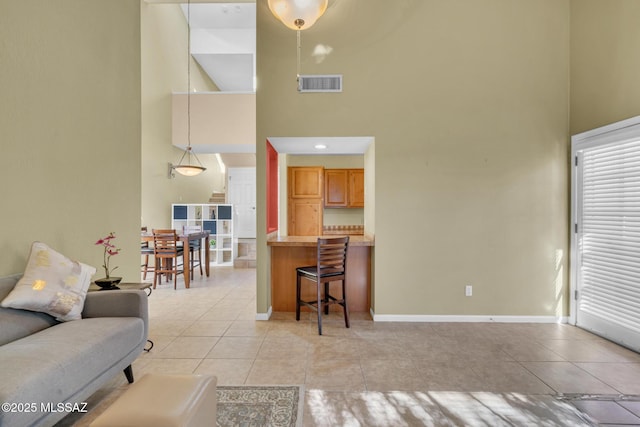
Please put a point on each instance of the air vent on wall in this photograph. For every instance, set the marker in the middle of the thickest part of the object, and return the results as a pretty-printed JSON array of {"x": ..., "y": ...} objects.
[{"x": 320, "y": 83}]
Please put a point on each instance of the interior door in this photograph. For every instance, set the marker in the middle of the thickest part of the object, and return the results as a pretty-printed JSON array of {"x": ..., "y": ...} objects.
[
  {"x": 241, "y": 184},
  {"x": 606, "y": 243}
]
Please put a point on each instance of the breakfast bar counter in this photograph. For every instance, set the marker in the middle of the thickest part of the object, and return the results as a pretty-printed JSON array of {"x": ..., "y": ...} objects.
[{"x": 291, "y": 252}]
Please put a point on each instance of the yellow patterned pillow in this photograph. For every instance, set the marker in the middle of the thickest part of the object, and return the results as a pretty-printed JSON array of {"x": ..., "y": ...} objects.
[{"x": 52, "y": 284}]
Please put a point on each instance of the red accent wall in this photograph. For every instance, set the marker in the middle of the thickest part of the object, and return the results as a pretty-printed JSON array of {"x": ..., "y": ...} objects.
[{"x": 272, "y": 188}]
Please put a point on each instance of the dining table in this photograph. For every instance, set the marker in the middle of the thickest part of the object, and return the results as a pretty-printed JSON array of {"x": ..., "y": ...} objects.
[{"x": 185, "y": 238}]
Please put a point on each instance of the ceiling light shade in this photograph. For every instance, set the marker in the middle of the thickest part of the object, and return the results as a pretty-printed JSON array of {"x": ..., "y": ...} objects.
[
  {"x": 188, "y": 169},
  {"x": 298, "y": 14}
]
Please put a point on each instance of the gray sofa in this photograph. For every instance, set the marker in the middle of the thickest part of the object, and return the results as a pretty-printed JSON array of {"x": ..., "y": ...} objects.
[{"x": 48, "y": 367}]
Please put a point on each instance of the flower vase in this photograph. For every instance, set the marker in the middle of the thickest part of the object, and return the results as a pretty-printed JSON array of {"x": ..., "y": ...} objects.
[{"x": 108, "y": 283}]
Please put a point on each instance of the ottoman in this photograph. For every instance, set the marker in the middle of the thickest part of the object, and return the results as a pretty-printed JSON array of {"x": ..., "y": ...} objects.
[{"x": 164, "y": 401}]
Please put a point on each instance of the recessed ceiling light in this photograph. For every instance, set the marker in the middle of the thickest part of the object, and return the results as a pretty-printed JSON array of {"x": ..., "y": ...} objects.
[{"x": 320, "y": 147}]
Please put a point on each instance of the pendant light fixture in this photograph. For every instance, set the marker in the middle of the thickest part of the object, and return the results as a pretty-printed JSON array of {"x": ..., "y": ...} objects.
[
  {"x": 188, "y": 168},
  {"x": 298, "y": 15}
]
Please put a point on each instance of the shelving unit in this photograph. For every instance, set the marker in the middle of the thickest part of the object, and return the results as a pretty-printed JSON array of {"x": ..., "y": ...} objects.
[{"x": 215, "y": 218}]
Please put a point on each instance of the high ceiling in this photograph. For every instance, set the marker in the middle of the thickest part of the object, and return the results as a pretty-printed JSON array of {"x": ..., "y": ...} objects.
[{"x": 223, "y": 41}]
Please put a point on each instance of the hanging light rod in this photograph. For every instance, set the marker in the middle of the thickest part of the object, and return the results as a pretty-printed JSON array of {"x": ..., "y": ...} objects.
[{"x": 188, "y": 169}]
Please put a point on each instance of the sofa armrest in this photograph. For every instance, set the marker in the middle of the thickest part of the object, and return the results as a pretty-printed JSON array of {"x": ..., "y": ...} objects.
[{"x": 124, "y": 303}]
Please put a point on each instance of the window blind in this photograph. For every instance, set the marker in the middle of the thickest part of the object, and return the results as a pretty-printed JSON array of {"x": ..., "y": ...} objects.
[{"x": 609, "y": 230}]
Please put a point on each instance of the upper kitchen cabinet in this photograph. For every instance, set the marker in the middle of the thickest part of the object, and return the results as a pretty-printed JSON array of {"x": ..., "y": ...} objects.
[
  {"x": 356, "y": 188},
  {"x": 306, "y": 182},
  {"x": 344, "y": 188}
]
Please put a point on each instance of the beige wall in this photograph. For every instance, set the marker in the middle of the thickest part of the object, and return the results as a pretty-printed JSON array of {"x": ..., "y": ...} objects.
[
  {"x": 605, "y": 62},
  {"x": 70, "y": 130},
  {"x": 468, "y": 104},
  {"x": 164, "y": 71},
  {"x": 220, "y": 122}
]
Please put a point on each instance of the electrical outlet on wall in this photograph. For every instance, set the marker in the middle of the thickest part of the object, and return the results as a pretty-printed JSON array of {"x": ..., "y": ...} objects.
[{"x": 468, "y": 290}]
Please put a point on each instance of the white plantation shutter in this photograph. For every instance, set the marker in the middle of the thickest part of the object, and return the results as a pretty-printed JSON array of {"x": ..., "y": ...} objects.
[{"x": 608, "y": 239}]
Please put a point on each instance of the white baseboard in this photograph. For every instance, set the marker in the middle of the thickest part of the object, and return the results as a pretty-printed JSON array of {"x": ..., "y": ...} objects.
[
  {"x": 264, "y": 316},
  {"x": 456, "y": 318}
]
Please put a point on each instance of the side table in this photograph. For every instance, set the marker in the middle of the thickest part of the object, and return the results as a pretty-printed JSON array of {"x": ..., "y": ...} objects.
[{"x": 126, "y": 286}]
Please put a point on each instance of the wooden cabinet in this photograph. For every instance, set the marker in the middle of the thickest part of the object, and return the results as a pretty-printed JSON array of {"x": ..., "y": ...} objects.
[
  {"x": 305, "y": 217},
  {"x": 356, "y": 188},
  {"x": 344, "y": 188},
  {"x": 336, "y": 182},
  {"x": 305, "y": 200},
  {"x": 306, "y": 182}
]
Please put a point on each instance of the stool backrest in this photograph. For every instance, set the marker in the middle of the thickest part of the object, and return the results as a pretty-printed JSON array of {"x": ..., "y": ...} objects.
[
  {"x": 165, "y": 243},
  {"x": 332, "y": 255}
]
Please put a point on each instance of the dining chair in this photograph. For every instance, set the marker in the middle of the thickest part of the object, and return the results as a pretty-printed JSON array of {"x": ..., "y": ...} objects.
[
  {"x": 195, "y": 246},
  {"x": 166, "y": 252},
  {"x": 331, "y": 266},
  {"x": 146, "y": 251}
]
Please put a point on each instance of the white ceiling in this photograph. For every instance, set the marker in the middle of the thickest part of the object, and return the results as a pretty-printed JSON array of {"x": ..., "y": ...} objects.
[
  {"x": 352, "y": 145},
  {"x": 223, "y": 42}
]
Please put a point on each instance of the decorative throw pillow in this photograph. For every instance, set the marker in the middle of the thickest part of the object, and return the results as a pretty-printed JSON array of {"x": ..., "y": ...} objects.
[{"x": 52, "y": 284}]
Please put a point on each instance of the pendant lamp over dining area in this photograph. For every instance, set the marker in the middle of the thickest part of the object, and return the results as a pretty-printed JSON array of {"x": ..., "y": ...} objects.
[{"x": 188, "y": 168}]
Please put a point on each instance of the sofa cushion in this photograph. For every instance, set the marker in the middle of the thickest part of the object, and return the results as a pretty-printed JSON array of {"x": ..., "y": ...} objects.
[
  {"x": 52, "y": 284},
  {"x": 51, "y": 365},
  {"x": 18, "y": 324}
]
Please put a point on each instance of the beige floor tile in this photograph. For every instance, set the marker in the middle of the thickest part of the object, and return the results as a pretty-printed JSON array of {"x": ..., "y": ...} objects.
[
  {"x": 335, "y": 374},
  {"x": 391, "y": 374},
  {"x": 328, "y": 347},
  {"x": 279, "y": 371},
  {"x": 607, "y": 412},
  {"x": 160, "y": 342},
  {"x": 565, "y": 377},
  {"x": 531, "y": 351},
  {"x": 228, "y": 371},
  {"x": 289, "y": 329},
  {"x": 220, "y": 314},
  {"x": 247, "y": 328},
  {"x": 624, "y": 377},
  {"x": 373, "y": 409},
  {"x": 450, "y": 375},
  {"x": 170, "y": 366},
  {"x": 168, "y": 327},
  {"x": 188, "y": 348},
  {"x": 584, "y": 351},
  {"x": 503, "y": 377},
  {"x": 284, "y": 348},
  {"x": 207, "y": 328},
  {"x": 381, "y": 348},
  {"x": 236, "y": 348}
]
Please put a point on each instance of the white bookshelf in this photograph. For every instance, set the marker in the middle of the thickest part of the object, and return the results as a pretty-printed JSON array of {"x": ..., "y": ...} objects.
[{"x": 215, "y": 218}]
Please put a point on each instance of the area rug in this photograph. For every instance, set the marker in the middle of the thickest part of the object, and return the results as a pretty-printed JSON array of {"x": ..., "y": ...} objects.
[{"x": 260, "y": 406}]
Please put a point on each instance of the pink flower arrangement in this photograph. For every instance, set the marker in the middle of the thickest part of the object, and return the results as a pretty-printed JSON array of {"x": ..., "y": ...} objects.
[{"x": 109, "y": 251}]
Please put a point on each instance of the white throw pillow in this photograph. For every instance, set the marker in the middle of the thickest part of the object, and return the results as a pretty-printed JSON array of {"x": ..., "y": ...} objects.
[{"x": 52, "y": 284}]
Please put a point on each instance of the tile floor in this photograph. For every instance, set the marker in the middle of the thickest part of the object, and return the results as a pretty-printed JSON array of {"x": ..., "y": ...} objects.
[{"x": 387, "y": 374}]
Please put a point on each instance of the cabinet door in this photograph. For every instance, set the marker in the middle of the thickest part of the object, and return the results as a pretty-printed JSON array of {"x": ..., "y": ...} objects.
[
  {"x": 335, "y": 188},
  {"x": 305, "y": 217},
  {"x": 356, "y": 188},
  {"x": 306, "y": 182}
]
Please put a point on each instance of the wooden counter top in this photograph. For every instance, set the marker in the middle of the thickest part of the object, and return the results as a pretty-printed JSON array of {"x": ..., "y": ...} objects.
[{"x": 311, "y": 241}]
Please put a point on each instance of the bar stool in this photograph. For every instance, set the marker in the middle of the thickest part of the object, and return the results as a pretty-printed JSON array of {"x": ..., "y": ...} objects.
[
  {"x": 331, "y": 266},
  {"x": 166, "y": 253},
  {"x": 145, "y": 251}
]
